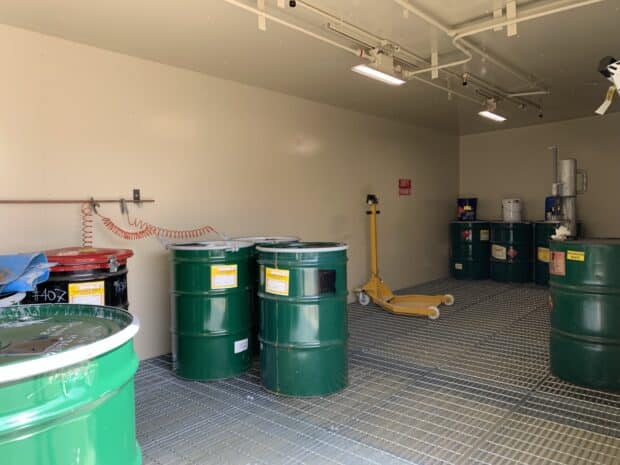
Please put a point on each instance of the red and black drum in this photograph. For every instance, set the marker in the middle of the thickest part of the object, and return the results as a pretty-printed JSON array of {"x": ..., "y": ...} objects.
[{"x": 85, "y": 275}]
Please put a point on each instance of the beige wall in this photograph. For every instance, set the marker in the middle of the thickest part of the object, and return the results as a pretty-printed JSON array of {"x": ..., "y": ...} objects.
[
  {"x": 516, "y": 162},
  {"x": 76, "y": 121}
]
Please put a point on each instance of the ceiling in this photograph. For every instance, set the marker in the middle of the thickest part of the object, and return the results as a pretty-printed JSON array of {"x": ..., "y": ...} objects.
[{"x": 216, "y": 38}]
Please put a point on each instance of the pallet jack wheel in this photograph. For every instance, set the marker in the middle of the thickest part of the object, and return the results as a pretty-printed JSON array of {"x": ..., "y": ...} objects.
[
  {"x": 448, "y": 299},
  {"x": 363, "y": 298},
  {"x": 435, "y": 314}
]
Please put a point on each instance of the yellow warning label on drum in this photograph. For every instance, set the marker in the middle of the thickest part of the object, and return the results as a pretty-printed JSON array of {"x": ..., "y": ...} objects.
[
  {"x": 90, "y": 293},
  {"x": 276, "y": 281},
  {"x": 543, "y": 254},
  {"x": 223, "y": 276},
  {"x": 575, "y": 255},
  {"x": 484, "y": 234},
  {"x": 498, "y": 252}
]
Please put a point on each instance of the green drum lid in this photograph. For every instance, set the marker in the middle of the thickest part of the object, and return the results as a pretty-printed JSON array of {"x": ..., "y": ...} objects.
[
  {"x": 304, "y": 247},
  {"x": 266, "y": 240},
  {"x": 37, "y": 339},
  {"x": 205, "y": 246}
]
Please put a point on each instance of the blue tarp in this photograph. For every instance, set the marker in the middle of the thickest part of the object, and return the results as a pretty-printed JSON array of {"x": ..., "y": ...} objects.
[{"x": 22, "y": 272}]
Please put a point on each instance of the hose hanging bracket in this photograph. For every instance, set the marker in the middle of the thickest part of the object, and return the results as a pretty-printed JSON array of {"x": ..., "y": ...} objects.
[
  {"x": 124, "y": 208},
  {"x": 94, "y": 205}
]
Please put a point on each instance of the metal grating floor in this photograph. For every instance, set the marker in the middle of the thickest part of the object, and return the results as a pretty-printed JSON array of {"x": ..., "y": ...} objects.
[{"x": 470, "y": 388}]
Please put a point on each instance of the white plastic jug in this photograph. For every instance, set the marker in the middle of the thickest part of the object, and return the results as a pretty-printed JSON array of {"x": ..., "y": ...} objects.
[{"x": 511, "y": 210}]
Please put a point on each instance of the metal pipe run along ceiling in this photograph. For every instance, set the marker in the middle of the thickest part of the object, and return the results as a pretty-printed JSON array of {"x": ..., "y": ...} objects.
[{"x": 412, "y": 66}]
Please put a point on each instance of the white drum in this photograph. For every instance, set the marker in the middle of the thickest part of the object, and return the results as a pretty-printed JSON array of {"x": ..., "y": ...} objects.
[{"x": 511, "y": 210}]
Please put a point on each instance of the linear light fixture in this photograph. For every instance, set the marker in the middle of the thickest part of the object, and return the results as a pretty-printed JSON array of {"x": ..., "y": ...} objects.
[
  {"x": 377, "y": 75},
  {"x": 492, "y": 116},
  {"x": 489, "y": 111}
]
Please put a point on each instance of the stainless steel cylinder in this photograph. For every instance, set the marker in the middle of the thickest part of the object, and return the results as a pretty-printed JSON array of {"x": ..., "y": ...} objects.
[{"x": 567, "y": 176}]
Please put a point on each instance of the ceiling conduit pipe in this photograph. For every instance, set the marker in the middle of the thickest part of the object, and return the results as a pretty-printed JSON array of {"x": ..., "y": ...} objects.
[
  {"x": 467, "y": 59},
  {"x": 459, "y": 34},
  {"x": 415, "y": 59},
  {"x": 294, "y": 27},
  {"x": 412, "y": 74},
  {"x": 529, "y": 79},
  {"x": 355, "y": 51},
  {"x": 449, "y": 91},
  {"x": 528, "y": 93},
  {"x": 512, "y": 97},
  {"x": 374, "y": 40},
  {"x": 334, "y": 19},
  {"x": 535, "y": 13},
  {"x": 527, "y": 13}
]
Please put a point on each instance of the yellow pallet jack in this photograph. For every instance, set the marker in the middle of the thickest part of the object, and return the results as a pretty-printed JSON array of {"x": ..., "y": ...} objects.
[{"x": 378, "y": 292}]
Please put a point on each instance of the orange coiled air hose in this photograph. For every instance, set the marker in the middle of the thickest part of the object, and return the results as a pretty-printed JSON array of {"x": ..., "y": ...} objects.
[
  {"x": 144, "y": 229},
  {"x": 86, "y": 218},
  {"x": 172, "y": 233}
]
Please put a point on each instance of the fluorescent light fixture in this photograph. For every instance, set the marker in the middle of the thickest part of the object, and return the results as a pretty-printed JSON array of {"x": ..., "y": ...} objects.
[
  {"x": 493, "y": 116},
  {"x": 374, "y": 73}
]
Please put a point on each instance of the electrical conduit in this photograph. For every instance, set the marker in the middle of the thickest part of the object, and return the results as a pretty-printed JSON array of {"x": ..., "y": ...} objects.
[{"x": 459, "y": 34}]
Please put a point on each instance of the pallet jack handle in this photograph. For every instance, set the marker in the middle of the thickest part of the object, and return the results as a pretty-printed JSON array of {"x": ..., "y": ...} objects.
[{"x": 372, "y": 201}]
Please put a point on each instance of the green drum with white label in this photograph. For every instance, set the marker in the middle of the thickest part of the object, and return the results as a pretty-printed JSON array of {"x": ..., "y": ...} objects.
[
  {"x": 210, "y": 309},
  {"x": 303, "y": 326},
  {"x": 66, "y": 385},
  {"x": 585, "y": 312},
  {"x": 511, "y": 252},
  {"x": 469, "y": 249},
  {"x": 255, "y": 312}
]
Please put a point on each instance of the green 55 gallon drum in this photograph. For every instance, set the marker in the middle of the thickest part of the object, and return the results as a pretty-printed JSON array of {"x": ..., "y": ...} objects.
[
  {"x": 511, "y": 252},
  {"x": 469, "y": 249},
  {"x": 210, "y": 309},
  {"x": 303, "y": 326},
  {"x": 66, "y": 385},
  {"x": 585, "y": 313}
]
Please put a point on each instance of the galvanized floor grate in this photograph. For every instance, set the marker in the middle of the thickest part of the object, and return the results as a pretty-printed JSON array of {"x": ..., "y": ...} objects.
[{"x": 471, "y": 387}]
